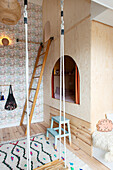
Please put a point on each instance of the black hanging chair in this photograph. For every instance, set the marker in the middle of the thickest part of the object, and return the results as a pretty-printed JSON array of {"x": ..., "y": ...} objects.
[{"x": 10, "y": 103}]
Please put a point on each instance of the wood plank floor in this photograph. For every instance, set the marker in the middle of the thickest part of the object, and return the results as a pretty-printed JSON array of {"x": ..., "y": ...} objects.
[{"x": 17, "y": 132}]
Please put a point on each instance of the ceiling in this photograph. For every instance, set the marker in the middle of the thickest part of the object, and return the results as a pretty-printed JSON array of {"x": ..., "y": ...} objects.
[
  {"x": 106, "y": 3},
  {"x": 102, "y": 11}
]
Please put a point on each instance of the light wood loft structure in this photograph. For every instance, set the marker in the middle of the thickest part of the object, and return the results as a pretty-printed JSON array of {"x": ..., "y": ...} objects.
[{"x": 39, "y": 77}]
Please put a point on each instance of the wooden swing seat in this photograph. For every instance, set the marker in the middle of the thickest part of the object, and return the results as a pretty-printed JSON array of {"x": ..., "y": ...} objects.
[{"x": 55, "y": 165}]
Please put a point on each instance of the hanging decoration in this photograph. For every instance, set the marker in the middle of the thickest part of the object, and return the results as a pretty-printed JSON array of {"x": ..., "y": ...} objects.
[
  {"x": 10, "y": 12},
  {"x": 10, "y": 103}
]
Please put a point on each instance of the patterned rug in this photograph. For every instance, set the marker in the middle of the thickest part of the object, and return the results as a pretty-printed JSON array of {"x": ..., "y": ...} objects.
[{"x": 13, "y": 154}]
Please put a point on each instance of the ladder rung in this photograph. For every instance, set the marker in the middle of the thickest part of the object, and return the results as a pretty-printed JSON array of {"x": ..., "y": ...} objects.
[
  {"x": 36, "y": 77},
  {"x": 39, "y": 65},
  {"x": 42, "y": 54},
  {"x": 32, "y": 89},
  {"x": 30, "y": 101}
]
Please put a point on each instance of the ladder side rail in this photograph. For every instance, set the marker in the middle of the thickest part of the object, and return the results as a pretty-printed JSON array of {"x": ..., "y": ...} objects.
[{"x": 34, "y": 71}]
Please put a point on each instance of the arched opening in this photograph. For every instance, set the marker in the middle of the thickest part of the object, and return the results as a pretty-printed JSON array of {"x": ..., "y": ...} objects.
[
  {"x": 72, "y": 81},
  {"x": 47, "y": 31}
]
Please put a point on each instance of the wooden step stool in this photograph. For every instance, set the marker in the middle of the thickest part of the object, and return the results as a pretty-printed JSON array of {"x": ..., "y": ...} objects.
[{"x": 53, "y": 131}]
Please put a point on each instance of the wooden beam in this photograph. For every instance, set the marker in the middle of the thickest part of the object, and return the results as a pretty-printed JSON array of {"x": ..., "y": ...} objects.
[
  {"x": 5, "y": 85},
  {"x": 32, "y": 42}
]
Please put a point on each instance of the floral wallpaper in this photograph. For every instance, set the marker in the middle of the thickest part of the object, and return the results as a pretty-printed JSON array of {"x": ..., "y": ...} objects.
[{"x": 12, "y": 65}]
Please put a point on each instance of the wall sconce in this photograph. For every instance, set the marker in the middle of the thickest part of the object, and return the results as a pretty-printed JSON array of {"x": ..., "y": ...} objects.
[{"x": 5, "y": 41}]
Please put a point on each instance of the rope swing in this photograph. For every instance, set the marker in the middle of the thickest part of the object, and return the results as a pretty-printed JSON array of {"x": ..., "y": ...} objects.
[
  {"x": 27, "y": 87},
  {"x": 62, "y": 72}
]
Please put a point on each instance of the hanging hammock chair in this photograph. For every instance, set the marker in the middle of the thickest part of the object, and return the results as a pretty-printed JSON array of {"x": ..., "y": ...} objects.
[
  {"x": 10, "y": 103},
  {"x": 10, "y": 12}
]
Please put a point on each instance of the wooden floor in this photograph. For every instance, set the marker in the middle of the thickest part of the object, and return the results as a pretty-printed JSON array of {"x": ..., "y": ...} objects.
[{"x": 17, "y": 132}]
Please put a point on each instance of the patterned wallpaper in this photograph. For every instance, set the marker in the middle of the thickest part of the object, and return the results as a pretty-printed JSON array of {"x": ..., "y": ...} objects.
[{"x": 12, "y": 65}]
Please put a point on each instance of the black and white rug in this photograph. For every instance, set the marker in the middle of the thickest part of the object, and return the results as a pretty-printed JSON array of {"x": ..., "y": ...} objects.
[{"x": 13, "y": 154}]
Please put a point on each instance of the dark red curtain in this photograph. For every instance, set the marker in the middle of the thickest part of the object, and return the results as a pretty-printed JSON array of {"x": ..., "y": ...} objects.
[
  {"x": 53, "y": 84},
  {"x": 77, "y": 86}
]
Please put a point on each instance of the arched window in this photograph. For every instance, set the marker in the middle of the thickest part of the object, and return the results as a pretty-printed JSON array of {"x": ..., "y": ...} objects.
[{"x": 72, "y": 81}]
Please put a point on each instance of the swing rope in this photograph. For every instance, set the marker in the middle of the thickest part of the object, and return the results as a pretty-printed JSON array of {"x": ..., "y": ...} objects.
[
  {"x": 27, "y": 86},
  {"x": 62, "y": 73}
]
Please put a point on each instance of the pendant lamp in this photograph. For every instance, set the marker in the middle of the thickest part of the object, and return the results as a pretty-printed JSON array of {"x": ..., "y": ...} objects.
[{"x": 10, "y": 12}]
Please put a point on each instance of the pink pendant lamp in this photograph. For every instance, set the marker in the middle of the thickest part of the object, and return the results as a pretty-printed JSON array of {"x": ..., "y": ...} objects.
[{"x": 10, "y": 12}]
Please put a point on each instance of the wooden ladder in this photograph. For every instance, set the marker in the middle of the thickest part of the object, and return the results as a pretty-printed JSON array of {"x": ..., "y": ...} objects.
[{"x": 45, "y": 54}]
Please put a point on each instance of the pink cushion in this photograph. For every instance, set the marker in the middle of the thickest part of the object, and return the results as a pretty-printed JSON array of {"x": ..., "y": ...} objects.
[{"x": 104, "y": 125}]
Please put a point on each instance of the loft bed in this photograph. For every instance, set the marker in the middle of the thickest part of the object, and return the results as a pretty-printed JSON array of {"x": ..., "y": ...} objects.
[{"x": 69, "y": 95}]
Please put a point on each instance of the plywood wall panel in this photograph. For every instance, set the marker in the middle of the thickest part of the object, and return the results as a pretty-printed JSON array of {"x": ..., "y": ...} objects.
[
  {"x": 77, "y": 45},
  {"x": 101, "y": 72},
  {"x": 82, "y": 145},
  {"x": 74, "y": 11}
]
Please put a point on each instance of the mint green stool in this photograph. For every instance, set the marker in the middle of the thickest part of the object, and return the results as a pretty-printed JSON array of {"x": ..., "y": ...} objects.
[{"x": 53, "y": 131}]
